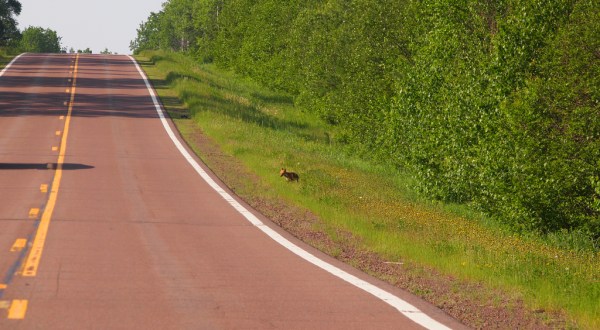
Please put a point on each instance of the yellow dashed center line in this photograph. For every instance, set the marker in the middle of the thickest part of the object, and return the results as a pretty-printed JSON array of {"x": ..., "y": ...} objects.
[
  {"x": 32, "y": 262},
  {"x": 17, "y": 310},
  {"x": 19, "y": 245},
  {"x": 34, "y": 212},
  {"x": 44, "y": 188}
]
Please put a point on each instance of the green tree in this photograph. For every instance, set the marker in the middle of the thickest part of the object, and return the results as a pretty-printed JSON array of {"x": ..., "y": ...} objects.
[
  {"x": 344, "y": 55},
  {"x": 206, "y": 23},
  {"x": 148, "y": 34},
  {"x": 549, "y": 135},
  {"x": 40, "y": 40},
  {"x": 180, "y": 15},
  {"x": 8, "y": 25}
]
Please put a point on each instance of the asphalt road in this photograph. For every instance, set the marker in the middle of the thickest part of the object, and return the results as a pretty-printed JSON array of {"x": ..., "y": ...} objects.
[{"x": 104, "y": 224}]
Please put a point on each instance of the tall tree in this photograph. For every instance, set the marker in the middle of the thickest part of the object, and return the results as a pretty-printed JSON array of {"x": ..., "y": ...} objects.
[
  {"x": 40, "y": 40},
  {"x": 148, "y": 34},
  {"x": 8, "y": 25}
]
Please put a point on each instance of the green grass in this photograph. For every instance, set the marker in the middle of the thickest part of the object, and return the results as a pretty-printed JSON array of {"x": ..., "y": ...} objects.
[
  {"x": 372, "y": 201},
  {"x": 4, "y": 59}
]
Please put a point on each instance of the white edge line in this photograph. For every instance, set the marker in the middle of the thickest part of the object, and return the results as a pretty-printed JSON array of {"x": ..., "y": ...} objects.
[
  {"x": 408, "y": 310},
  {"x": 10, "y": 64}
]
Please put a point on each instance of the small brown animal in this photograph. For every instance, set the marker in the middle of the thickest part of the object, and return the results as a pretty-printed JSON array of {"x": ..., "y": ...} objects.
[{"x": 289, "y": 176}]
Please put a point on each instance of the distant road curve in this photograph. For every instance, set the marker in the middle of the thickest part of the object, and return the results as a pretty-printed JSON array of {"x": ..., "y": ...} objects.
[{"x": 125, "y": 228}]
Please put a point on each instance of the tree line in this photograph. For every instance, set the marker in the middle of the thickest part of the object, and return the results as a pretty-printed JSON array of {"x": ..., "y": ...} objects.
[
  {"x": 33, "y": 39},
  {"x": 494, "y": 103}
]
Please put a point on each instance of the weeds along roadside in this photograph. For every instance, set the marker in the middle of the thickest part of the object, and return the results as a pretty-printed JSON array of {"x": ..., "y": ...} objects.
[
  {"x": 4, "y": 59},
  {"x": 265, "y": 132}
]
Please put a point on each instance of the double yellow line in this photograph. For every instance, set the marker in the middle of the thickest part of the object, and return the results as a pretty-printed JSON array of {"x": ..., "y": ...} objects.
[{"x": 32, "y": 262}]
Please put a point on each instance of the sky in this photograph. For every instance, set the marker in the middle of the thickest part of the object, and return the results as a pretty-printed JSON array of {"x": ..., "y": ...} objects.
[{"x": 95, "y": 24}]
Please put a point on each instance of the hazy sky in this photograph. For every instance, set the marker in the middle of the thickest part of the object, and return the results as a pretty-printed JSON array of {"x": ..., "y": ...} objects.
[{"x": 96, "y": 24}]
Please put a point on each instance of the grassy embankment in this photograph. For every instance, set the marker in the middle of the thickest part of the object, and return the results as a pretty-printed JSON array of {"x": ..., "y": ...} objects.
[
  {"x": 4, "y": 58},
  {"x": 264, "y": 131}
]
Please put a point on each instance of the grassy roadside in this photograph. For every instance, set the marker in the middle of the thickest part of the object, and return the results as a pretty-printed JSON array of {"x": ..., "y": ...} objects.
[
  {"x": 366, "y": 214},
  {"x": 4, "y": 59}
]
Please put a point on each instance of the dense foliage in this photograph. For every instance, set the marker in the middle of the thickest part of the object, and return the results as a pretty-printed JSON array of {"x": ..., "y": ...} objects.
[
  {"x": 40, "y": 40},
  {"x": 8, "y": 25},
  {"x": 488, "y": 102},
  {"x": 32, "y": 39}
]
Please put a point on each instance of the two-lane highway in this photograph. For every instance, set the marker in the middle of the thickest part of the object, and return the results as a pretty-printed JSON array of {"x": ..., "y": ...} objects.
[{"x": 105, "y": 224}]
